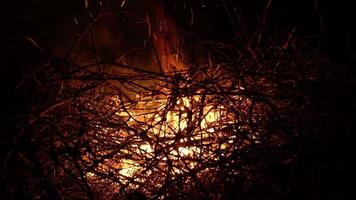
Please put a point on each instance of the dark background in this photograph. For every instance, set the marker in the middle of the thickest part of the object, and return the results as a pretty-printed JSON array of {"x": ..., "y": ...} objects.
[{"x": 52, "y": 22}]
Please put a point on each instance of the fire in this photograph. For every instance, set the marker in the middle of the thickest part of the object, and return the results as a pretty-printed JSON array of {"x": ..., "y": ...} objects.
[
  {"x": 161, "y": 134},
  {"x": 191, "y": 128},
  {"x": 165, "y": 128}
]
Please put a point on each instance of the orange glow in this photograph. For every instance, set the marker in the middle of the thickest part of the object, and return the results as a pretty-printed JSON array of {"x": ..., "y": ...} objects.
[
  {"x": 167, "y": 41},
  {"x": 170, "y": 129}
]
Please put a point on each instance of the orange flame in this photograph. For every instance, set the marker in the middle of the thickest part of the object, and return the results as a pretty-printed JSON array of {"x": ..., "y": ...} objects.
[{"x": 167, "y": 40}]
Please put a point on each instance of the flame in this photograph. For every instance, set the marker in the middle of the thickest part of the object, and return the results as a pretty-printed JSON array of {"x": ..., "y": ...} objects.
[
  {"x": 167, "y": 41},
  {"x": 190, "y": 128},
  {"x": 176, "y": 122}
]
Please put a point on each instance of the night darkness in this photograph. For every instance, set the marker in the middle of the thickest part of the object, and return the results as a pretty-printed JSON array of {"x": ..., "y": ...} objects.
[{"x": 313, "y": 42}]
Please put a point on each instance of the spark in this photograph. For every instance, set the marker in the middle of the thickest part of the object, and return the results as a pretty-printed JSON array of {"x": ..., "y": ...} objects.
[{"x": 123, "y": 3}]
